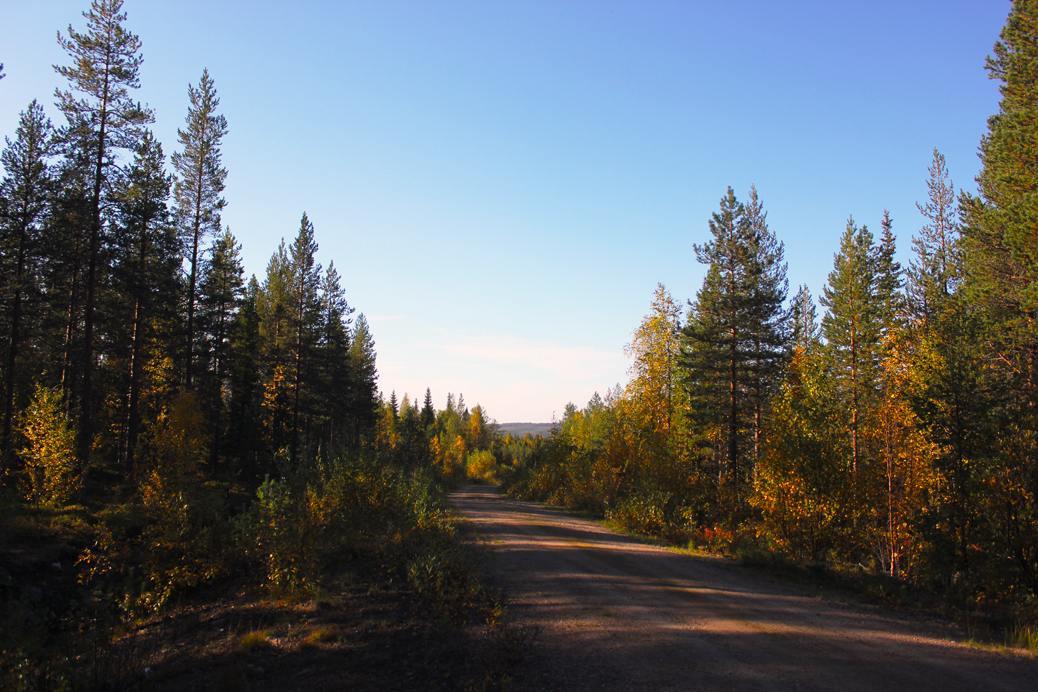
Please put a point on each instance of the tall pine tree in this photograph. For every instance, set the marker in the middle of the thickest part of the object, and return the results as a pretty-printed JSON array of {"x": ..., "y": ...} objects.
[
  {"x": 1002, "y": 254},
  {"x": 199, "y": 185},
  {"x": 145, "y": 274},
  {"x": 221, "y": 291},
  {"x": 105, "y": 68},
  {"x": 853, "y": 328},
  {"x": 304, "y": 314},
  {"x": 735, "y": 336}
]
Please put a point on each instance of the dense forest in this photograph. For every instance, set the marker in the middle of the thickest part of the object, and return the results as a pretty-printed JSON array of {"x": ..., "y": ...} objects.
[
  {"x": 892, "y": 427},
  {"x": 170, "y": 425}
]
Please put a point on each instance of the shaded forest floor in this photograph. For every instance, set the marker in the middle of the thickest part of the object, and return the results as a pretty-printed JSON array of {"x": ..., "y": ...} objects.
[
  {"x": 355, "y": 637},
  {"x": 360, "y": 627}
]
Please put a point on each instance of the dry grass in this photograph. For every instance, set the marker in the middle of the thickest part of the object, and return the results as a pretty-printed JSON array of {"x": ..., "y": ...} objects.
[
  {"x": 251, "y": 640},
  {"x": 1023, "y": 637}
]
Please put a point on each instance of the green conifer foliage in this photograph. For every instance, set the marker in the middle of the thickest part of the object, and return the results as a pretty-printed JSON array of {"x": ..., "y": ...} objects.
[
  {"x": 220, "y": 296},
  {"x": 933, "y": 275},
  {"x": 428, "y": 411},
  {"x": 304, "y": 314},
  {"x": 106, "y": 65},
  {"x": 735, "y": 337},
  {"x": 1000, "y": 229},
  {"x": 273, "y": 305},
  {"x": 200, "y": 183},
  {"x": 333, "y": 360},
  {"x": 145, "y": 275},
  {"x": 244, "y": 426},
  {"x": 803, "y": 320},
  {"x": 853, "y": 328},
  {"x": 26, "y": 192},
  {"x": 363, "y": 392}
]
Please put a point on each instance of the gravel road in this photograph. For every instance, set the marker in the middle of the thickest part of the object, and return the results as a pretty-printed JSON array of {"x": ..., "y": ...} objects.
[{"x": 616, "y": 614}]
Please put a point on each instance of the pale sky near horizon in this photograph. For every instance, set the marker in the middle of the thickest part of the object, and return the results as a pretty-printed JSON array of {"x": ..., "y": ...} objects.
[{"x": 501, "y": 185}]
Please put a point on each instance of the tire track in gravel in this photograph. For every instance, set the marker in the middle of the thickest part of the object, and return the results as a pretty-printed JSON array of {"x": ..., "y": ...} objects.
[{"x": 617, "y": 614}]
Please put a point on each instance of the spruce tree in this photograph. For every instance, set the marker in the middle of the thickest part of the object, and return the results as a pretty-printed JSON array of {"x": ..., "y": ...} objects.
[
  {"x": 428, "y": 411},
  {"x": 714, "y": 365},
  {"x": 888, "y": 277},
  {"x": 106, "y": 66},
  {"x": 363, "y": 392},
  {"x": 333, "y": 360},
  {"x": 26, "y": 192},
  {"x": 200, "y": 183}
]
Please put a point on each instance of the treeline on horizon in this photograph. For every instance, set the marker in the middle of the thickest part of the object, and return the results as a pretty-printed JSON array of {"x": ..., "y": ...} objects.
[{"x": 899, "y": 432}]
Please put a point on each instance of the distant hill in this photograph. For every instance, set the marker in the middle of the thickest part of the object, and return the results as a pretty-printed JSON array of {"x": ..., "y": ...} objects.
[{"x": 520, "y": 429}]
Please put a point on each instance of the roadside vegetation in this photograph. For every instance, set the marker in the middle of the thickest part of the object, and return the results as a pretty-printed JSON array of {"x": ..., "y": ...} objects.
[
  {"x": 887, "y": 441},
  {"x": 199, "y": 477}
]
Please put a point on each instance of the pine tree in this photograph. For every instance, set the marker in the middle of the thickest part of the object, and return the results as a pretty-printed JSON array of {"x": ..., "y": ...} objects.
[
  {"x": 304, "y": 312},
  {"x": 1002, "y": 257},
  {"x": 220, "y": 296},
  {"x": 200, "y": 182},
  {"x": 106, "y": 65},
  {"x": 145, "y": 273},
  {"x": 932, "y": 275},
  {"x": 64, "y": 255},
  {"x": 804, "y": 320},
  {"x": 26, "y": 192},
  {"x": 947, "y": 390},
  {"x": 853, "y": 327},
  {"x": 735, "y": 335},
  {"x": 769, "y": 322}
]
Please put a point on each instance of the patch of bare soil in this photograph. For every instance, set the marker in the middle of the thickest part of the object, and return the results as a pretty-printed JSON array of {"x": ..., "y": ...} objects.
[{"x": 616, "y": 614}]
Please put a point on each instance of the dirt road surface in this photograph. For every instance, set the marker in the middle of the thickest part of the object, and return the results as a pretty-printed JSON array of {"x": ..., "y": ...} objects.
[{"x": 616, "y": 614}]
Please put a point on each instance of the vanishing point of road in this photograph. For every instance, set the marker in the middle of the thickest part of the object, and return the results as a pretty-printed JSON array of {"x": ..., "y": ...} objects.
[{"x": 617, "y": 614}]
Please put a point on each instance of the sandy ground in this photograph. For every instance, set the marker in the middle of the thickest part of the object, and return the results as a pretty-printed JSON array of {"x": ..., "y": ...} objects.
[{"x": 616, "y": 614}]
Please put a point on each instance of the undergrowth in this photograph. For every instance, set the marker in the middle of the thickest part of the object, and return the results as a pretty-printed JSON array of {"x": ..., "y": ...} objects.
[
  {"x": 75, "y": 583},
  {"x": 660, "y": 516}
]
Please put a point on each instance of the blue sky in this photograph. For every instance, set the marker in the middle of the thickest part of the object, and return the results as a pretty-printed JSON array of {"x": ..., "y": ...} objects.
[{"x": 502, "y": 184}]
